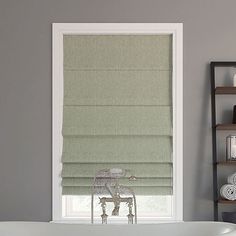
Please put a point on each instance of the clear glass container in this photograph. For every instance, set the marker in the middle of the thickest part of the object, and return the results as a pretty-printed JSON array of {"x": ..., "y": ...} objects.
[{"x": 231, "y": 148}]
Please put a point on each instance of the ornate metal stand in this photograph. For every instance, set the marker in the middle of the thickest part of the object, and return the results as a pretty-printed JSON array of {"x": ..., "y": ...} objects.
[
  {"x": 106, "y": 183},
  {"x": 115, "y": 212}
]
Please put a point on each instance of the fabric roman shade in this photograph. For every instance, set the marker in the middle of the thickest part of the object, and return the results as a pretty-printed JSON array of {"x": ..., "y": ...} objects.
[{"x": 117, "y": 111}]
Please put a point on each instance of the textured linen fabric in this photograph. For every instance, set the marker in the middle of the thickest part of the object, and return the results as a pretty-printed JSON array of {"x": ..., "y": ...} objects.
[{"x": 117, "y": 111}]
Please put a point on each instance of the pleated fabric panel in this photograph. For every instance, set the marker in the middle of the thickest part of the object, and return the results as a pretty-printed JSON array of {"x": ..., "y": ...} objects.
[{"x": 117, "y": 111}]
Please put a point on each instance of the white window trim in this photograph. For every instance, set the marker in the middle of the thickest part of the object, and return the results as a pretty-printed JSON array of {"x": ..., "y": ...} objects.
[{"x": 59, "y": 29}]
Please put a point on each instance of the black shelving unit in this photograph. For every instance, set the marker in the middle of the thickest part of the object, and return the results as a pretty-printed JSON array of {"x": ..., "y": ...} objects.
[{"x": 217, "y": 127}]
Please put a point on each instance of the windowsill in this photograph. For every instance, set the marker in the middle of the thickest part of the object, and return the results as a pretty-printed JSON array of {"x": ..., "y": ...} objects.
[{"x": 123, "y": 222}]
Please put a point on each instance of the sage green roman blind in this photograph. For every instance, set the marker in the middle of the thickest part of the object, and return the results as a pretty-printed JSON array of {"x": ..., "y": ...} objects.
[{"x": 117, "y": 111}]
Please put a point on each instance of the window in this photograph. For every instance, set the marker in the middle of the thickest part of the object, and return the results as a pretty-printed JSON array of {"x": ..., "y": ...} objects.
[{"x": 117, "y": 105}]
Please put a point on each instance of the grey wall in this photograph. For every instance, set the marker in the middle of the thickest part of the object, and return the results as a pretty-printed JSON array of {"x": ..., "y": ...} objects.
[{"x": 25, "y": 91}]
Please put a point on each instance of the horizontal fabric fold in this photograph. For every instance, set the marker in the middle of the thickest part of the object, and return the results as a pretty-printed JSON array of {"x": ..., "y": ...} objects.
[
  {"x": 137, "y": 190},
  {"x": 117, "y": 88},
  {"x": 112, "y": 120},
  {"x": 118, "y": 149},
  {"x": 138, "y": 170},
  {"x": 117, "y": 51},
  {"x": 88, "y": 182}
]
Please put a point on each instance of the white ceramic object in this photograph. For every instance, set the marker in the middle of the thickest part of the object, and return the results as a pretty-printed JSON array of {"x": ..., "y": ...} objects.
[
  {"x": 164, "y": 229},
  {"x": 232, "y": 179},
  {"x": 228, "y": 191}
]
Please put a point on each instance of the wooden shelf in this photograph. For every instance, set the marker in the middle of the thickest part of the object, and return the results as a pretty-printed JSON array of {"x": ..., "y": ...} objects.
[
  {"x": 223, "y": 63},
  {"x": 225, "y": 90},
  {"x": 226, "y": 127},
  {"x": 226, "y": 163},
  {"x": 224, "y": 201},
  {"x": 215, "y": 90}
]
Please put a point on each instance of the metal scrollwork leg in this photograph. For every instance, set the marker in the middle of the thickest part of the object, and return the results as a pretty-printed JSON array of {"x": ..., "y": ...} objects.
[
  {"x": 130, "y": 215},
  {"x": 104, "y": 215}
]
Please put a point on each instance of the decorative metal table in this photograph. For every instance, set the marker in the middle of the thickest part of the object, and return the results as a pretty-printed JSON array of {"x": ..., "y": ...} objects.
[{"x": 106, "y": 186}]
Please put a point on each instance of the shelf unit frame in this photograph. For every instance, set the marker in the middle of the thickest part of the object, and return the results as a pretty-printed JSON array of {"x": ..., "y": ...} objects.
[{"x": 215, "y": 91}]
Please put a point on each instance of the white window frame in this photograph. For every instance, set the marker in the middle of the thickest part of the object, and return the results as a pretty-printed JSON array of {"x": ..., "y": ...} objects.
[{"x": 59, "y": 29}]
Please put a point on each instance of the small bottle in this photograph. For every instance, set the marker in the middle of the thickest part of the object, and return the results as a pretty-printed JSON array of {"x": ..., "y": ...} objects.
[{"x": 234, "y": 80}]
